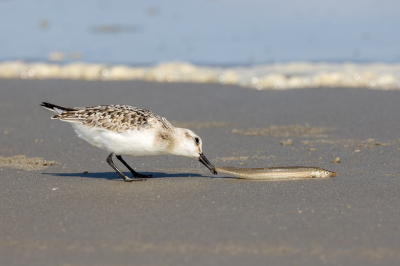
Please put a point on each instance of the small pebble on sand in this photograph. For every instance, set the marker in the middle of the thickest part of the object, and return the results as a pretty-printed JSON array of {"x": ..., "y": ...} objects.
[
  {"x": 288, "y": 142},
  {"x": 336, "y": 160}
]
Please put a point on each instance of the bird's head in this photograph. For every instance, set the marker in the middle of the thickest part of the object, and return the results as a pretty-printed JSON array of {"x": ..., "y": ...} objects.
[{"x": 190, "y": 145}]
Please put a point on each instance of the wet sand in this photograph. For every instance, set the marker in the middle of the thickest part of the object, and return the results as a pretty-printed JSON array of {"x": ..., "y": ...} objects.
[{"x": 184, "y": 216}]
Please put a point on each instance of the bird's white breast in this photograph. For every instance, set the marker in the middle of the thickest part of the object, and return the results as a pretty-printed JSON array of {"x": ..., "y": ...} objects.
[{"x": 134, "y": 142}]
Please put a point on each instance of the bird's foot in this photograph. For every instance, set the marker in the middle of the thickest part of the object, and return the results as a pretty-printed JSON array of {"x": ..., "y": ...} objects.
[
  {"x": 127, "y": 179},
  {"x": 137, "y": 175}
]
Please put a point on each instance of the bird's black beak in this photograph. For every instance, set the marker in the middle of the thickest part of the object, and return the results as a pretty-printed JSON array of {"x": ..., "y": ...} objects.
[{"x": 207, "y": 163}]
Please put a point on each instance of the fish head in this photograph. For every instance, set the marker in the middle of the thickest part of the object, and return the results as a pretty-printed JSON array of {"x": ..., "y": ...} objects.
[{"x": 322, "y": 173}]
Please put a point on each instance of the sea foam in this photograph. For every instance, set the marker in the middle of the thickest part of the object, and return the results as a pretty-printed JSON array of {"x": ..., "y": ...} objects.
[{"x": 279, "y": 76}]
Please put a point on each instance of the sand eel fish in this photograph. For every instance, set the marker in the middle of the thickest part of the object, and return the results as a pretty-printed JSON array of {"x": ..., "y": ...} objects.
[
  {"x": 127, "y": 130},
  {"x": 287, "y": 172}
]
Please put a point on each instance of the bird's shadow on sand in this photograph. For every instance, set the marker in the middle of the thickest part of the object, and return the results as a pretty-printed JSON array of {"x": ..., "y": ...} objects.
[{"x": 115, "y": 176}]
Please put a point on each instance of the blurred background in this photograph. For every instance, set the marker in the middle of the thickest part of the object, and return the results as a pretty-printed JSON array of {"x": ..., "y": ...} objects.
[
  {"x": 204, "y": 32},
  {"x": 258, "y": 44}
]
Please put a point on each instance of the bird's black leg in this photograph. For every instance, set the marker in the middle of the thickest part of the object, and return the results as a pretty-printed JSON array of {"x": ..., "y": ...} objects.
[
  {"x": 127, "y": 179},
  {"x": 134, "y": 173}
]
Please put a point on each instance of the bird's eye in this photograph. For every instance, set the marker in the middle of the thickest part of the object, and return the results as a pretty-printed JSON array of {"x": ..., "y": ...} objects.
[{"x": 197, "y": 140}]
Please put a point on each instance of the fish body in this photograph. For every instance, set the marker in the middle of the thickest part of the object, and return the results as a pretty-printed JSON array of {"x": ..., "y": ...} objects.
[{"x": 287, "y": 172}]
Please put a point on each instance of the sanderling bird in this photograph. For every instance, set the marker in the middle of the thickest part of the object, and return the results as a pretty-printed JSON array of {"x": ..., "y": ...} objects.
[{"x": 127, "y": 130}]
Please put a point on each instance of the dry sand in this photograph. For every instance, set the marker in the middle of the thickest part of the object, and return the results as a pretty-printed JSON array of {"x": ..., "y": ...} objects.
[
  {"x": 184, "y": 216},
  {"x": 21, "y": 162}
]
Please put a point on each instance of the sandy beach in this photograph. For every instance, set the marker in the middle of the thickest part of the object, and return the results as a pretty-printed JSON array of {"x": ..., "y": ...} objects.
[{"x": 55, "y": 214}]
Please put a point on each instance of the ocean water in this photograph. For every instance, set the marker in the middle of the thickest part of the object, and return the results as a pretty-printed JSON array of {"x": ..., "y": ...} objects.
[{"x": 256, "y": 44}]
